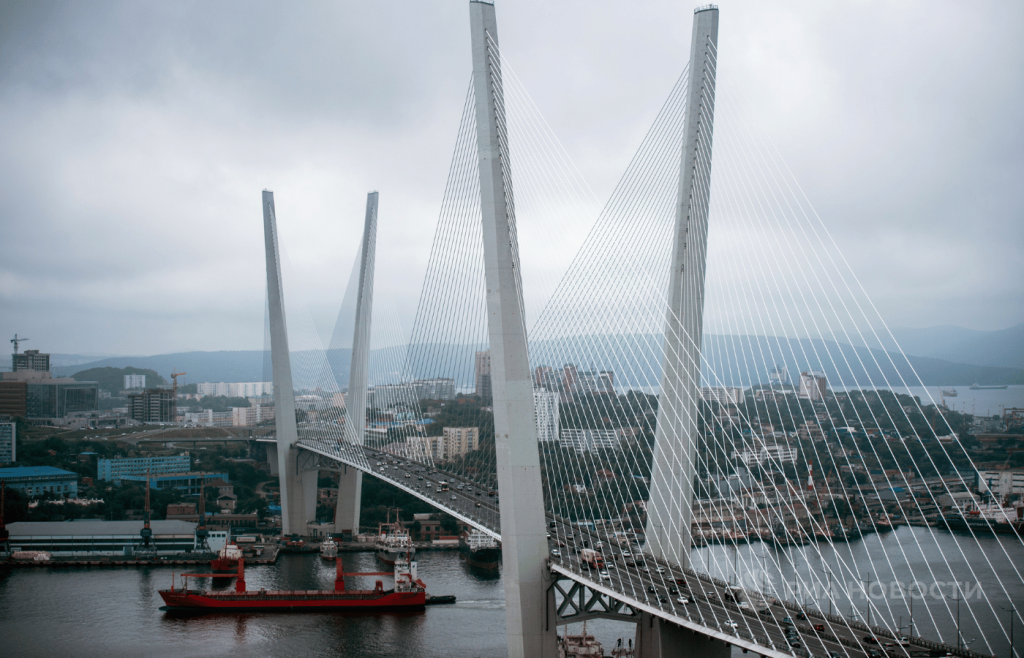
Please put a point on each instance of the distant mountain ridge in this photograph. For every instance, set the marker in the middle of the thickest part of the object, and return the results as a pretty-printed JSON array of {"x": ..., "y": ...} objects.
[
  {"x": 1002, "y": 348},
  {"x": 634, "y": 358}
]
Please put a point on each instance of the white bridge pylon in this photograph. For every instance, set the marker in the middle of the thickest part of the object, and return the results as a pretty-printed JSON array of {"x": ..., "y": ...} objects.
[{"x": 659, "y": 432}]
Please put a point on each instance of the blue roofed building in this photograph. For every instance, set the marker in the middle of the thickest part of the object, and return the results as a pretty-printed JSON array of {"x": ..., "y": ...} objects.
[{"x": 35, "y": 481}]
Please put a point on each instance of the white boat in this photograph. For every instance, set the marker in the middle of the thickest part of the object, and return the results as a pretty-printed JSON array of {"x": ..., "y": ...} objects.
[
  {"x": 393, "y": 543},
  {"x": 328, "y": 549}
]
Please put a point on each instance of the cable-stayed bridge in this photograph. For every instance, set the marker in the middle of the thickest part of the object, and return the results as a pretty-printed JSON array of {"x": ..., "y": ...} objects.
[{"x": 628, "y": 464}]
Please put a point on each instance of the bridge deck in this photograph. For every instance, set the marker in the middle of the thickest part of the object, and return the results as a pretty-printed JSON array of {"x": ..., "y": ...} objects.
[{"x": 649, "y": 585}]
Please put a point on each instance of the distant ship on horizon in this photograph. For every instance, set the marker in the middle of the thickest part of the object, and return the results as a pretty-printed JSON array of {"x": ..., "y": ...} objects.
[{"x": 978, "y": 387}]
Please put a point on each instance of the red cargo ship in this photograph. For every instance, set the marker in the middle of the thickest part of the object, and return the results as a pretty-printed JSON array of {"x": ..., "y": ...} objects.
[{"x": 409, "y": 593}]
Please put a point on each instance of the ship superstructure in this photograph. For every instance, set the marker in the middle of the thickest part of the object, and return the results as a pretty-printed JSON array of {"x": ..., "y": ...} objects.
[{"x": 393, "y": 543}]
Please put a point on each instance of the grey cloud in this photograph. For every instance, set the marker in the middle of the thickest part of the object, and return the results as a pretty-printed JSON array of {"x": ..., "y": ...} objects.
[{"x": 135, "y": 138}]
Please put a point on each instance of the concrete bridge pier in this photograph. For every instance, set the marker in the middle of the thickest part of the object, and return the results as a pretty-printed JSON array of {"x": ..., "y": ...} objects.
[{"x": 657, "y": 638}]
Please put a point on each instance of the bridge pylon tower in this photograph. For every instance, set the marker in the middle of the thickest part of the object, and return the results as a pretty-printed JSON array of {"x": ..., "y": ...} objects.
[
  {"x": 350, "y": 483},
  {"x": 298, "y": 486},
  {"x": 669, "y": 509},
  {"x": 529, "y": 600}
]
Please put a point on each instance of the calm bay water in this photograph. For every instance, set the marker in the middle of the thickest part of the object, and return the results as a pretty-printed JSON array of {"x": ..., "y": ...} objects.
[
  {"x": 982, "y": 402},
  {"x": 115, "y": 612}
]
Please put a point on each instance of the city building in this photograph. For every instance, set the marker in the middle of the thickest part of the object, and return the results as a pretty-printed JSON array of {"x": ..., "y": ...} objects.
[
  {"x": 545, "y": 403},
  {"x": 390, "y": 396},
  {"x": 722, "y": 394},
  {"x": 209, "y": 418},
  {"x": 766, "y": 453},
  {"x": 235, "y": 389},
  {"x": 591, "y": 382},
  {"x": 38, "y": 480},
  {"x": 813, "y": 385},
  {"x": 810, "y": 431},
  {"x": 186, "y": 482},
  {"x": 134, "y": 381},
  {"x": 30, "y": 360},
  {"x": 588, "y": 440},
  {"x": 544, "y": 378},
  {"x": 8, "y": 442},
  {"x": 112, "y": 470},
  {"x": 1006, "y": 482},
  {"x": 570, "y": 378},
  {"x": 482, "y": 374},
  {"x": 250, "y": 416},
  {"x": 453, "y": 442},
  {"x": 460, "y": 440},
  {"x": 441, "y": 388},
  {"x": 779, "y": 376},
  {"x": 56, "y": 398},
  {"x": 30, "y": 391},
  {"x": 153, "y": 405},
  {"x": 90, "y": 537},
  {"x": 13, "y": 398}
]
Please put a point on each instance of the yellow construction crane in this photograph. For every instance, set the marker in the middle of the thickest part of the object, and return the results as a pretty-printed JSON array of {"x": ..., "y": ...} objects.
[{"x": 174, "y": 376}]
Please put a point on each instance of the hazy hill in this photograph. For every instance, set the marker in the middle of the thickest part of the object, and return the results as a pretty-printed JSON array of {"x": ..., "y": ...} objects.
[
  {"x": 1001, "y": 348},
  {"x": 112, "y": 379},
  {"x": 635, "y": 359}
]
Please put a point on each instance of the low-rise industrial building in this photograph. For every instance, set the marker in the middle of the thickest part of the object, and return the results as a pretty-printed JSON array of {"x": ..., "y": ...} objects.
[
  {"x": 92, "y": 537},
  {"x": 38, "y": 480},
  {"x": 115, "y": 469}
]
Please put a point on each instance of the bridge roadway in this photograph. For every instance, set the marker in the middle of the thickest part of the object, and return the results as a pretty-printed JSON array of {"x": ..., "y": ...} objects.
[{"x": 691, "y": 600}]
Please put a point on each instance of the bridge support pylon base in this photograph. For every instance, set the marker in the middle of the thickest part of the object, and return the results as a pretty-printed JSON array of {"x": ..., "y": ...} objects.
[
  {"x": 657, "y": 638},
  {"x": 350, "y": 493}
]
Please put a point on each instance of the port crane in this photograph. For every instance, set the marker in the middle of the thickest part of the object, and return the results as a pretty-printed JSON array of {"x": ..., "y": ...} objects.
[
  {"x": 202, "y": 543},
  {"x": 148, "y": 548},
  {"x": 4, "y": 533}
]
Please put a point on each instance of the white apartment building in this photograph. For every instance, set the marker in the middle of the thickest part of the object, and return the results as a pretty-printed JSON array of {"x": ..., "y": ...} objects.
[
  {"x": 235, "y": 389},
  {"x": 249, "y": 416},
  {"x": 546, "y": 405},
  {"x": 134, "y": 381},
  {"x": 454, "y": 442},
  {"x": 767, "y": 453},
  {"x": 813, "y": 385},
  {"x": 460, "y": 440},
  {"x": 722, "y": 394},
  {"x": 589, "y": 440}
]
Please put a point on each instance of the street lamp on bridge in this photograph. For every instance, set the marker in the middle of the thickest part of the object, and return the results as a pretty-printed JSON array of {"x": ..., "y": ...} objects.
[
  {"x": 867, "y": 595},
  {"x": 910, "y": 594},
  {"x": 1013, "y": 613}
]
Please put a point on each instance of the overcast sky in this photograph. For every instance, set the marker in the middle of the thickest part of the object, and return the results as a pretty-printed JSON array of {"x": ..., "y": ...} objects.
[{"x": 136, "y": 137}]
